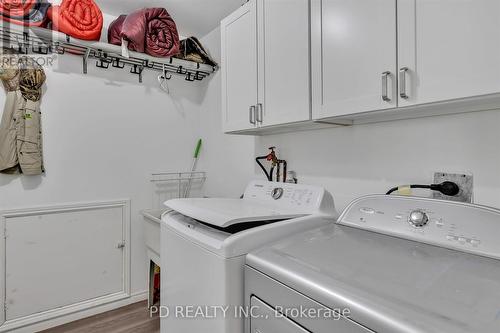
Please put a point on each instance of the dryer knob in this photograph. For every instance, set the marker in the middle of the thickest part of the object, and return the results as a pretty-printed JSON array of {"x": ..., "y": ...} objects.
[
  {"x": 277, "y": 193},
  {"x": 418, "y": 219}
]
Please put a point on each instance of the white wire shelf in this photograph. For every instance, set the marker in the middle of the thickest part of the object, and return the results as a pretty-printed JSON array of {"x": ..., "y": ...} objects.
[
  {"x": 172, "y": 185},
  {"x": 34, "y": 40}
]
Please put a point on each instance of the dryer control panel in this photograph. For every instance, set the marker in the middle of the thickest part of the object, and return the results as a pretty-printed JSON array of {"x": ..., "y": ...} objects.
[
  {"x": 295, "y": 196},
  {"x": 465, "y": 227}
]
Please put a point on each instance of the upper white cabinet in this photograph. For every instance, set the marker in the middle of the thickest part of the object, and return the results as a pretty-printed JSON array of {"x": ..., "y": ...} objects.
[
  {"x": 354, "y": 66},
  {"x": 284, "y": 76},
  {"x": 239, "y": 68},
  {"x": 265, "y": 65},
  {"x": 357, "y": 61},
  {"x": 448, "y": 49}
]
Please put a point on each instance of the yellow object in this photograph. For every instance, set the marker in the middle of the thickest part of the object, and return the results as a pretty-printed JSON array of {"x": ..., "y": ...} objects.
[{"x": 404, "y": 190}]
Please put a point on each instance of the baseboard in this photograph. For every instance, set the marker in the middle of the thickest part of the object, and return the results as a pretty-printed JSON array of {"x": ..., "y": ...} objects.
[{"x": 61, "y": 316}]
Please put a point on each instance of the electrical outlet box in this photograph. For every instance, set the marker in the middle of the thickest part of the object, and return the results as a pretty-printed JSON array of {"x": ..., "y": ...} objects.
[{"x": 465, "y": 183}]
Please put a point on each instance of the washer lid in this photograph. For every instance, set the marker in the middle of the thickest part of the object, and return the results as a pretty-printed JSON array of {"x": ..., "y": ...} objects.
[
  {"x": 389, "y": 284},
  {"x": 226, "y": 212}
]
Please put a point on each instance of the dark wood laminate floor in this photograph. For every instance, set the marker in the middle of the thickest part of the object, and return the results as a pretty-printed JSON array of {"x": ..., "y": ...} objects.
[{"x": 130, "y": 319}]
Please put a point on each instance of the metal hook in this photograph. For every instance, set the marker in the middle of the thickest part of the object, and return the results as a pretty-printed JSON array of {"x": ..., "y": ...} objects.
[
  {"x": 146, "y": 64},
  {"x": 166, "y": 76},
  {"x": 40, "y": 49},
  {"x": 198, "y": 76},
  {"x": 103, "y": 63},
  {"x": 163, "y": 80},
  {"x": 117, "y": 63},
  {"x": 182, "y": 71},
  {"x": 188, "y": 77},
  {"x": 59, "y": 49}
]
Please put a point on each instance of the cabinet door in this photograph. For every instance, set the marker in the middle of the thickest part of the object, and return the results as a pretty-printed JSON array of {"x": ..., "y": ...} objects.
[
  {"x": 284, "y": 76},
  {"x": 239, "y": 68},
  {"x": 353, "y": 56},
  {"x": 450, "y": 49}
]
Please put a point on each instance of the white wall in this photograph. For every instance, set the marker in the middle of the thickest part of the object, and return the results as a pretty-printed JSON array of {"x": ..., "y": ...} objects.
[
  {"x": 366, "y": 159},
  {"x": 357, "y": 160},
  {"x": 104, "y": 134},
  {"x": 228, "y": 160}
]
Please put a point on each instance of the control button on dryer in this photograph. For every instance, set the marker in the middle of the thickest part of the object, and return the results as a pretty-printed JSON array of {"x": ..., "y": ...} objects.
[
  {"x": 367, "y": 210},
  {"x": 439, "y": 223},
  {"x": 475, "y": 242}
]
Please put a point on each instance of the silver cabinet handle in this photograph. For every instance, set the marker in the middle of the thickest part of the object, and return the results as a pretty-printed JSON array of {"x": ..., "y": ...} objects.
[
  {"x": 385, "y": 96},
  {"x": 260, "y": 113},
  {"x": 402, "y": 82},
  {"x": 252, "y": 114}
]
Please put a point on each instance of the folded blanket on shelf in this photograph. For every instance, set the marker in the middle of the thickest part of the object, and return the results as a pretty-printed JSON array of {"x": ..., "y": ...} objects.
[
  {"x": 81, "y": 19},
  {"x": 148, "y": 30},
  {"x": 27, "y": 12},
  {"x": 192, "y": 50}
]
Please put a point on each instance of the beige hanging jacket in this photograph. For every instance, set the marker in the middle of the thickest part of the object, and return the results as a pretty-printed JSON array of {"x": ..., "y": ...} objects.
[{"x": 20, "y": 129}]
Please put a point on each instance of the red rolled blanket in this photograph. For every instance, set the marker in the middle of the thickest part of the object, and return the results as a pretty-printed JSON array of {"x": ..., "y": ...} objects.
[
  {"x": 149, "y": 30},
  {"x": 78, "y": 18},
  {"x": 27, "y": 12}
]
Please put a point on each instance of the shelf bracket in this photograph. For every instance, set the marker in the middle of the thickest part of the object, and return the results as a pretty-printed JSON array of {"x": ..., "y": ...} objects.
[{"x": 86, "y": 61}]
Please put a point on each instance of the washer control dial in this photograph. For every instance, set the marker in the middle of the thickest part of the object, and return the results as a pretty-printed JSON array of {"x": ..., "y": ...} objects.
[
  {"x": 418, "y": 219},
  {"x": 277, "y": 193}
]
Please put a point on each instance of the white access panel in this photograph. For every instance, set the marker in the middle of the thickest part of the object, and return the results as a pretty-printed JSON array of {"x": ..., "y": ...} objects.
[
  {"x": 451, "y": 49},
  {"x": 239, "y": 67},
  {"x": 353, "y": 45},
  {"x": 284, "y": 78},
  {"x": 2, "y": 273},
  {"x": 63, "y": 257}
]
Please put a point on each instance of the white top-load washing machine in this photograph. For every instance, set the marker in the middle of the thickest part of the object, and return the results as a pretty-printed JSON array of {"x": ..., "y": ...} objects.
[
  {"x": 390, "y": 264},
  {"x": 204, "y": 243}
]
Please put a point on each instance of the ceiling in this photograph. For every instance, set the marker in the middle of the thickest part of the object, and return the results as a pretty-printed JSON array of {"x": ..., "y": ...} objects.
[{"x": 193, "y": 17}]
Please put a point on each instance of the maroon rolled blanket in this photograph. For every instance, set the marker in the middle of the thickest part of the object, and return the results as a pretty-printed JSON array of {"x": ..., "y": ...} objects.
[{"x": 149, "y": 30}]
